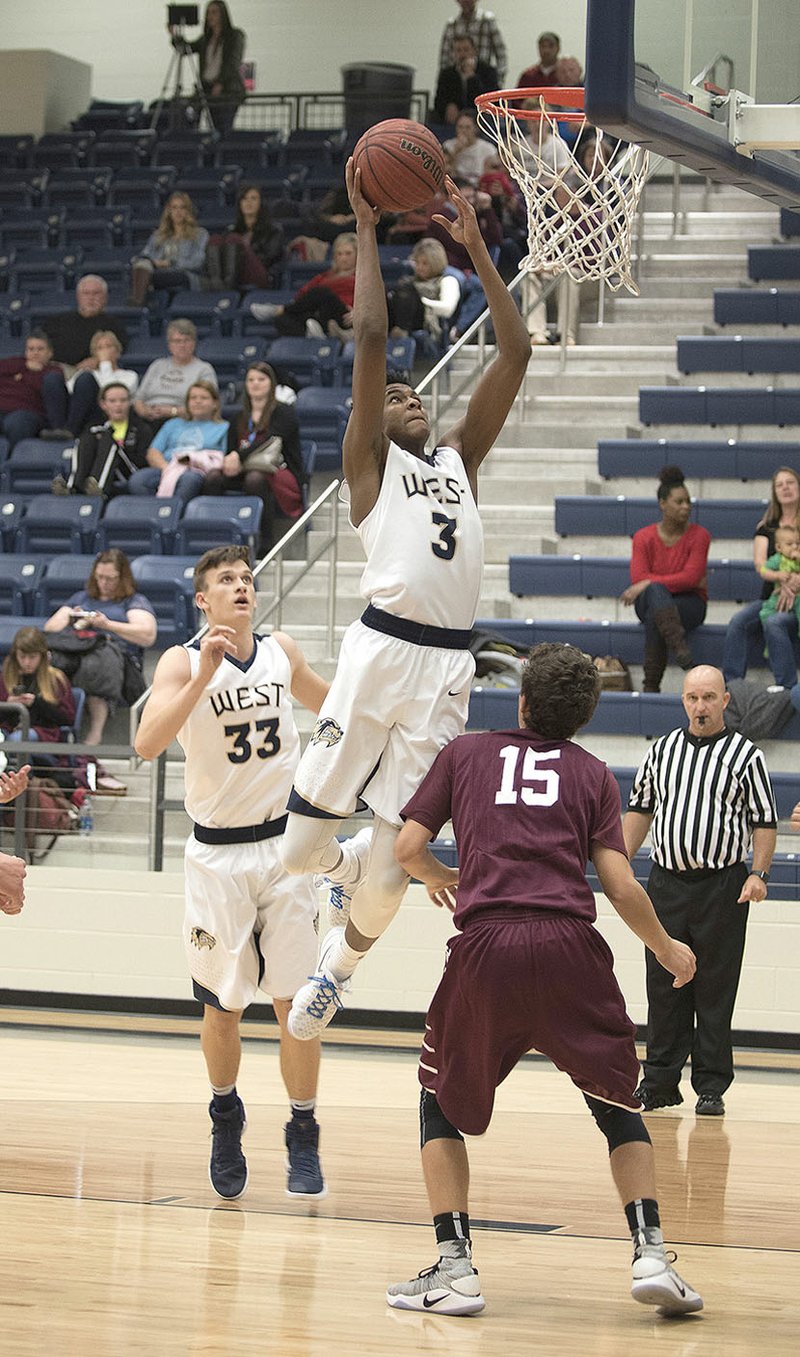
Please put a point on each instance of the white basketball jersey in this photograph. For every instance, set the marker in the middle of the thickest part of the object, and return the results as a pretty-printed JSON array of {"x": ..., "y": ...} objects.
[
  {"x": 241, "y": 741},
  {"x": 424, "y": 541}
]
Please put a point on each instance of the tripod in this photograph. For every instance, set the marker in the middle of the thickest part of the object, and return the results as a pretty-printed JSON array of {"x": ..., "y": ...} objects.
[{"x": 182, "y": 54}]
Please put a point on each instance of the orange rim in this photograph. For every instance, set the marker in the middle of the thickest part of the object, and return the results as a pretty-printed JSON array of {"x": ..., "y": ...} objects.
[{"x": 570, "y": 96}]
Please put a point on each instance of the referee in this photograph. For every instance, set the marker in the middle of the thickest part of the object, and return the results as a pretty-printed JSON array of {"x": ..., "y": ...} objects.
[{"x": 704, "y": 792}]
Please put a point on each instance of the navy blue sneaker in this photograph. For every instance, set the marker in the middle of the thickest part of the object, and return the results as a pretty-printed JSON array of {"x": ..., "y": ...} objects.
[
  {"x": 305, "y": 1171},
  {"x": 228, "y": 1167}
]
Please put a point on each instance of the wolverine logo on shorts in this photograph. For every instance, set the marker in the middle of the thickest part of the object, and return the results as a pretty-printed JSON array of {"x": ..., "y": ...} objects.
[
  {"x": 327, "y": 731},
  {"x": 200, "y": 938}
]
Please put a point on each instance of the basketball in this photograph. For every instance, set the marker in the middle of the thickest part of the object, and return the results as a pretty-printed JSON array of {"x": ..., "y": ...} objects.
[{"x": 402, "y": 165}]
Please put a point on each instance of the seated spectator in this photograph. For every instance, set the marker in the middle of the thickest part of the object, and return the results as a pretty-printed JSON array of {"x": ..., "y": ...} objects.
[
  {"x": 779, "y": 568},
  {"x": 264, "y": 456},
  {"x": 123, "y": 623},
  {"x": 458, "y": 84},
  {"x": 545, "y": 71},
  {"x": 324, "y": 305},
  {"x": 27, "y": 402},
  {"x": 779, "y": 630},
  {"x": 29, "y": 678},
  {"x": 246, "y": 255},
  {"x": 458, "y": 255},
  {"x": 71, "y": 334},
  {"x": 466, "y": 153},
  {"x": 429, "y": 299},
  {"x": 105, "y": 350},
  {"x": 668, "y": 579},
  {"x": 174, "y": 255},
  {"x": 107, "y": 454},
  {"x": 181, "y": 445},
  {"x": 162, "y": 390},
  {"x": 481, "y": 26}
]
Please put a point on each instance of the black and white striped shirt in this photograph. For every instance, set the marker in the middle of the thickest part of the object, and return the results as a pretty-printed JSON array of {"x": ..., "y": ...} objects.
[{"x": 706, "y": 795}]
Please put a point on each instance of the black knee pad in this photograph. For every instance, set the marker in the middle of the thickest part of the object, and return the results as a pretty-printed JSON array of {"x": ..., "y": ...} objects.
[
  {"x": 433, "y": 1124},
  {"x": 619, "y": 1126}
]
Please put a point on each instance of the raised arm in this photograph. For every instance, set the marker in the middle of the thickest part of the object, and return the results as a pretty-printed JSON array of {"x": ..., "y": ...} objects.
[
  {"x": 365, "y": 444},
  {"x": 175, "y": 693},
  {"x": 494, "y": 395}
]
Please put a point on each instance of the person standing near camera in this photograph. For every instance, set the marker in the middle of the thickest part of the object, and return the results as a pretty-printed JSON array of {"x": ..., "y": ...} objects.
[{"x": 220, "y": 49}]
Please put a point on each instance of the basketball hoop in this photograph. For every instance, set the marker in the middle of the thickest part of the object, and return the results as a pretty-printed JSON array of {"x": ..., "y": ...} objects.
[{"x": 581, "y": 208}]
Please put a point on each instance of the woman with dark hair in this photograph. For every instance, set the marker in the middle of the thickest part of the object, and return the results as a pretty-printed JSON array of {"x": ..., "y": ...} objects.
[
  {"x": 220, "y": 48},
  {"x": 174, "y": 255},
  {"x": 668, "y": 579},
  {"x": 110, "y": 606},
  {"x": 246, "y": 254},
  {"x": 780, "y": 630},
  {"x": 264, "y": 457}
]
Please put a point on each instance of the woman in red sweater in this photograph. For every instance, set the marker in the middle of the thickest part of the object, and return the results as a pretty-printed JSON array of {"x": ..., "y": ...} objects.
[
  {"x": 324, "y": 305},
  {"x": 668, "y": 574}
]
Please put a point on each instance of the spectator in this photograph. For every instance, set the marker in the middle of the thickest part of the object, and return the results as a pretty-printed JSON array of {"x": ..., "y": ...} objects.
[
  {"x": 668, "y": 579},
  {"x": 104, "y": 353},
  {"x": 107, "y": 454},
  {"x": 27, "y": 402},
  {"x": 324, "y": 305},
  {"x": 265, "y": 431},
  {"x": 12, "y": 870},
  {"x": 545, "y": 72},
  {"x": 481, "y": 26},
  {"x": 458, "y": 84},
  {"x": 466, "y": 153},
  {"x": 71, "y": 334},
  {"x": 329, "y": 219},
  {"x": 162, "y": 390},
  {"x": 429, "y": 299},
  {"x": 491, "y": 230},
  {"x": 779, "y": 567},
  {"x": 28, "y": 677},
  {"x": 220, "y": 48},
  {"x": 181, "y": 446},
  {"x": 110, "y": 607},
  {"x": 247, "y": 255},
  {"x": 174, "y": 255},
  {"x": 780, "y": 630}
]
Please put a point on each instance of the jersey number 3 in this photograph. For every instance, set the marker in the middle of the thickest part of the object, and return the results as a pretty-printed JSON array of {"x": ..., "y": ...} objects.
[
  {"x": 545, "y": 782},
  {"x": 242, "y": 748},
  {"x": 445, "y": 548}
]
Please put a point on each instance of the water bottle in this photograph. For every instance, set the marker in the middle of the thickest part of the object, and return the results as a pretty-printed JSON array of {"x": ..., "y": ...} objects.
[{"x": 86, "y": 822}]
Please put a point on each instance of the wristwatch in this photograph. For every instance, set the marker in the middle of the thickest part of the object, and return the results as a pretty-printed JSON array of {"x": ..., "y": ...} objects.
[{"x": 764, "y": 876}]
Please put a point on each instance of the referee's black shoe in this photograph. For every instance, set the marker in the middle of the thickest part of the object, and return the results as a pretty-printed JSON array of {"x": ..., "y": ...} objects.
[
  {"x": 710, "y": 1105},
  {"x": 653, "y": 1102}
]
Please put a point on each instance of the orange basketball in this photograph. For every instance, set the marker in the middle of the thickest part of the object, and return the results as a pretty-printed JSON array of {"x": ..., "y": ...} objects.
[{"x": 402, "y": 165}]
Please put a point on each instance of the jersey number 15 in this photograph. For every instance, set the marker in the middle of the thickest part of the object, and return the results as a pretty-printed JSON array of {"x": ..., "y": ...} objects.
[{"x": 545, "y": 782}]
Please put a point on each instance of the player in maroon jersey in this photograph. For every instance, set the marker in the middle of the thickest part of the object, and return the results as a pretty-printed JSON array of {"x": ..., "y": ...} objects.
[{"x": 529, "y": 809}]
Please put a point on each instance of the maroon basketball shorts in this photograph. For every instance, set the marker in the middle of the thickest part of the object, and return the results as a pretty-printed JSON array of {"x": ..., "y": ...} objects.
[{"x": 516, "y": 982}]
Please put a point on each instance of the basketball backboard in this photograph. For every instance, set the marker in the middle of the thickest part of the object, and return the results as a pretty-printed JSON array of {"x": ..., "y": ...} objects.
[{"x": 711, "y": 84}]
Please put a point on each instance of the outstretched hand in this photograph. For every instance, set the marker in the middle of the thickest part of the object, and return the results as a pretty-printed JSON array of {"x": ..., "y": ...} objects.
[
  {"x": 365, "y": 213},
  {"x": 464, "y": 229},
  {"x": 13, "y": 782}
]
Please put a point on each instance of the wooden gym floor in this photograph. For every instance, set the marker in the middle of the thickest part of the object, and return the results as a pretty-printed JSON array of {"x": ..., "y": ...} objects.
[{"x": 113, "y": 1242}]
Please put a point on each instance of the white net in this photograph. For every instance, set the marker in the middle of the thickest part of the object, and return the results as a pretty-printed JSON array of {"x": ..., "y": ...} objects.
[{"x": 582, "y": 200}]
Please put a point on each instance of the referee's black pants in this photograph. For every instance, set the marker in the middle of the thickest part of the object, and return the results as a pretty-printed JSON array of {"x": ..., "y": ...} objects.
[{"x": 700, "y": 909}]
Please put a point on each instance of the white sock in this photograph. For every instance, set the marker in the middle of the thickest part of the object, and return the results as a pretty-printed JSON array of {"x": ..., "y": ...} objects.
[{"x": 342, "y": 961}]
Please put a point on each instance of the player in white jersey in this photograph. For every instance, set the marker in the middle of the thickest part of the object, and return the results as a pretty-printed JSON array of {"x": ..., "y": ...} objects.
[
  {"x": 248, "y": 925},
  {"x": 402, "y": 682}
]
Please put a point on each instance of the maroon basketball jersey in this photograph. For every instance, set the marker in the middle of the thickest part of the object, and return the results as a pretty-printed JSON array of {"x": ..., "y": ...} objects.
[{"x": 526, "y": 812}]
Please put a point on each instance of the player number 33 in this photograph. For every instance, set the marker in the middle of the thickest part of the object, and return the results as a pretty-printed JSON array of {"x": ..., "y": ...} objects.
[
  {"x": 242, "y": 748},
  {"x": 545, "y": 782}
]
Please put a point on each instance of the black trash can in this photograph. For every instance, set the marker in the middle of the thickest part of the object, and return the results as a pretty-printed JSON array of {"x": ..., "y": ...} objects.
[{"x": 374, "y": 90}]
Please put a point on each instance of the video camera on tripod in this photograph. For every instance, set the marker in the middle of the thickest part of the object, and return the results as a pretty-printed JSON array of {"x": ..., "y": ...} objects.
[
  {"x": 181, "y": 109},
  {"x": 178, "y": 18}
]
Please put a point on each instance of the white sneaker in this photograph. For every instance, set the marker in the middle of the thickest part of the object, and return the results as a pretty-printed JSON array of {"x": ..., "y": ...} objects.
[
  {"x": 265, "y": 310},
  {"x": 315, "y": 1004},
  {"x": 655, "y": 1282},
  {"x": 339, "y": 897},
  {"x": 313, "y": 329},
  {"x": 450, "y": 1287}
]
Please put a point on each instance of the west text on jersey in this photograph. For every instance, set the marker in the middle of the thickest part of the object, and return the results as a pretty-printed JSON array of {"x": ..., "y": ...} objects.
[
  {"x": 244, "y": 699},
  {"x": 445, "y": 490}
]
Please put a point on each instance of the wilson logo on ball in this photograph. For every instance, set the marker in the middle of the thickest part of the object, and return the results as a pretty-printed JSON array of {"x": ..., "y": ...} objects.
[{"x": 430, "y": 163}]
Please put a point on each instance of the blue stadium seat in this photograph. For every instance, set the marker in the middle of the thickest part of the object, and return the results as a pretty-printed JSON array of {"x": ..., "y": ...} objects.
[
  {"x": 31, "y": 467},
  {"x": 19, "y": 580},
  {"x": 710, "y": 353},
  {"x": 252, "y": 156},
  {"x": 787, "y": 406},
  {"x": 790, "y": 222},
  {"x": 624, "y": 639},
  {"x": 4, "y": 444},
  {"x": 72, "y": 731},
  {"x": 16, "y": 151},
  {"x": 607, "y": 576},
  {"x": 212, "y": 519},
  {"x": 623, "y": 515},
  {"x": 54, "y": 523},
  {"x": 246, "y": 324},
  {"x": 230, "y": 357},
  {"x": 167, "y": 582},
  {"x": 13, "y": 315},
  {"x": 64, "y": 576},
  {"x": 770, "y": 262},
  {"x": 139, "y": 525},
  {"x": 338, "y": 371},
  {"x": 735, "y": 405},
  {"x": 702, "y": 458},
  {"x": 125, "y": 149},
  {"x": 212, "y": 312},
  {"x": 746, "y": 306},
  {"x": 672, "y": 405},
  {"x": 300, "y": 357},
  {"x": 322, "y": 413},
  {"x": 39, "y": 277},
  {"x": 12, "y": 507},
  {"x": 99, "y": 229},
  {"x": 9, "y": 626}
]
